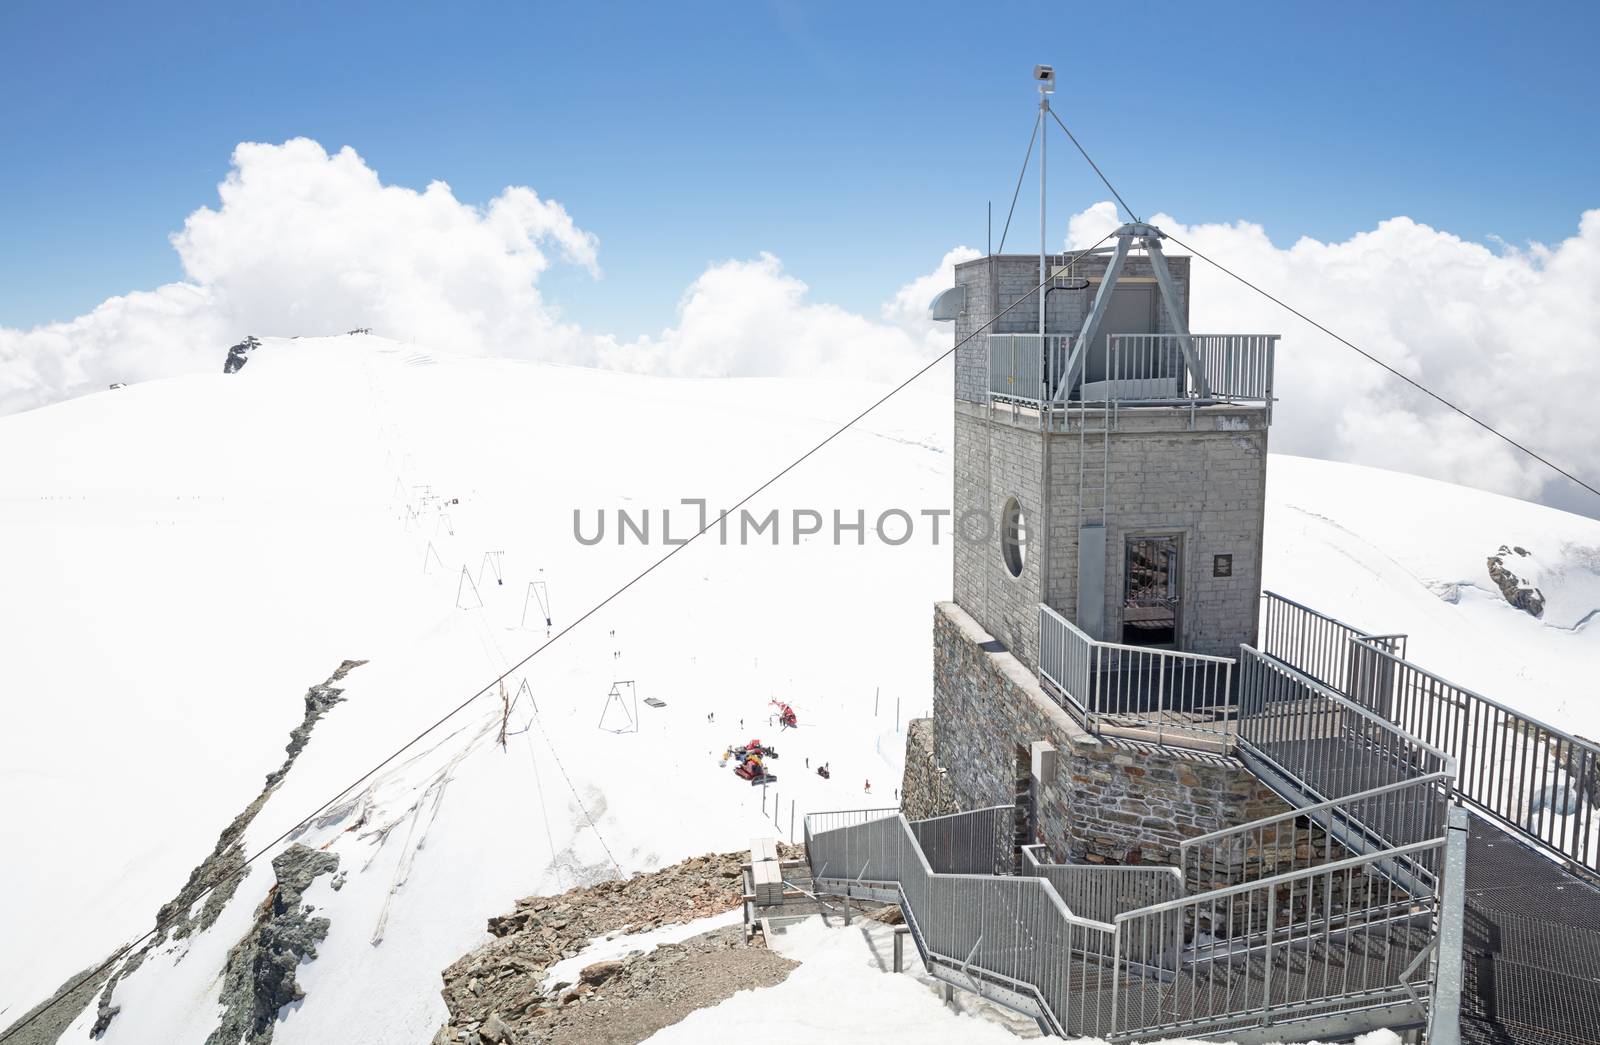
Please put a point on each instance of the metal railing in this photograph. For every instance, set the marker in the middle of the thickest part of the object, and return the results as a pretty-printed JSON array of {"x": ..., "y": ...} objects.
[
  {"x": 1339, "y": 937},
  {"x": 1138, "y": 367},
  {"x": 1237, "y": 366},
  {"x": 1130, "y": 368},
  {"x": 1541, "y": 782},
  {"x": 1308, "y": 740},
  {"x": 1182, "y": 698},
  {"x": 1021, "y": 371},
  {"x": 1010, "y": 939},
  {"x": 1151, "y": 368},
  {"x": 1102, "y": 892},
  {"x": 1336, "y": 937},
  {"x": 1366, "y": 822},
  {"x": 1314, "y": 643},
  {"x": 978, "y": 842}
]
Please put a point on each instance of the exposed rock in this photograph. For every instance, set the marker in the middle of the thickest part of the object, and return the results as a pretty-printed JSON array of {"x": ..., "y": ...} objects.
[
  {"x": 52, "y": 1016},
  {"x": 1518, "y": 592},
  {"x": 1557, "y": 799},
  {"x": 259, "y": 978},
  {"x": 217, "y": 877},
  {"x": 495, "y": 1031},
  {"x": 239, "y": 354},
  {"x": 890, "y": 915},
  {"x": 619, "y": 1000}
]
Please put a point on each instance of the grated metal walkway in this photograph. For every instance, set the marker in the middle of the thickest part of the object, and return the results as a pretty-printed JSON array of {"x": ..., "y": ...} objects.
[{"x": 1531, "y": 966}]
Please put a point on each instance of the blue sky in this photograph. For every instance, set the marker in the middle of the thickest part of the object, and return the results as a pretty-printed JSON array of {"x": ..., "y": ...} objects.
[{"x": 856, "y": 141}]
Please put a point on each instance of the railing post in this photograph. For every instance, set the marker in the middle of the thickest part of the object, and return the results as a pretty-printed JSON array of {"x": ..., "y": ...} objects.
[
  {"x": 1095, "y": 686},
  {"x": 1444, "y": 1012},
  {"x": 1266, "y": 963},
  {"x": 1161, "y": 700},
  {"x": 1230, "y": 712},
  {"x": 1116, "y": 976}
]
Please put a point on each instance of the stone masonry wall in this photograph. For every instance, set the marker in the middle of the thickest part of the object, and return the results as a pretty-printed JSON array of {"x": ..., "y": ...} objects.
[
  {"x": 924, "y": 790},
  {"x": 1111, "y": 801}
]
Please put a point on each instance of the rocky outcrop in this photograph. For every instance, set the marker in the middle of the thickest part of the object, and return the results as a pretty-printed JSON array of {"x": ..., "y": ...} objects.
[
  {"x": 497, "y": 992},
  {"x": 239, "y": 354},
  {"x": 44, "y": 1023},
  {"x": 217, "y": 877},
  {"x": 224, "y": 869},
  {"x": 1521, "y": 594},
  {"x": 259, "y": 978}
]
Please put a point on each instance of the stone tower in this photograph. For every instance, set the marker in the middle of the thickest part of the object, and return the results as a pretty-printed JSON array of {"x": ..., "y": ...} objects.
[
  {"x": 1113, "y": 469},
  {"x": 1110, "y": 479}
]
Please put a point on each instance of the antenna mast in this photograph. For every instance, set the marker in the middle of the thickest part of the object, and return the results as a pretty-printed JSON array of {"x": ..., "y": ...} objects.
[{"x": 1045, "y": 77}]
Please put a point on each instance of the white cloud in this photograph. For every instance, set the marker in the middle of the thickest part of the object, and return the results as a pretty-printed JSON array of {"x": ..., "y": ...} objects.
[
  {"x": 909, "y": 307},
  {"x": 750, "y": 318},
  {"x": 303, "y": 242},
  {"x": 1511, "y": 337}
]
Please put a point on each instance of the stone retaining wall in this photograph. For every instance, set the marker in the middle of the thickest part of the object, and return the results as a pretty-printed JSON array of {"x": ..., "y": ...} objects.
[
  {"x": 924, "y": 791},
  {"x": 1110, "y": 801}
]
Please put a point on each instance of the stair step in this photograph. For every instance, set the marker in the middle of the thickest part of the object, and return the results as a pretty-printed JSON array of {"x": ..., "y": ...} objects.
[
  {"x": 1539, "y": 944},
  {"x": 1520, "y": 998}
]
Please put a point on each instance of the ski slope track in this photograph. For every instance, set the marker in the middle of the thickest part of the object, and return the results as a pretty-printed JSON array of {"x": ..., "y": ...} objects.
[{"x": 184, "y": 559}]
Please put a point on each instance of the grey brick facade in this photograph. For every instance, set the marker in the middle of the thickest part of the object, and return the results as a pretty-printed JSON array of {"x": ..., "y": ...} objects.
[{"x": 1206, "y": 483}]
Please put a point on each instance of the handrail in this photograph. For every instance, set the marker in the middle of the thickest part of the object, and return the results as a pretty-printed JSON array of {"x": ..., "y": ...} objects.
[
  {"x": 1044, "y": 949},
  {"x": 1139, "y": 367},
  {"x": 1017, "y": 927},
  {"x": 1300, "y": 939},
  {"x": 1300, "y": 811},
  {"x": 1350, "y": 705},
  {"x": 941, "y": 816},
  {"x": 1535, "y": 779},
  {"x": 1540, "y": 782},
  {"x": 1030, "y": 369},
  {"x": 1169, "y": 692},
  {"x": 1297, "y": 604},
  {"x": 938, "y": 957},
  {"x": 1312, "y": 641},
  {"x": 1223, "y": 892},
  {"x": 1082, "y": 886},
  {"x": 1179, "y": 654},
  {"x": 1475, "y": 695}
]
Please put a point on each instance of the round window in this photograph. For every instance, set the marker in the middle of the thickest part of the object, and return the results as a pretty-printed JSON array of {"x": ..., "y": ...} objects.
[{"x": 1013, "y": 536}]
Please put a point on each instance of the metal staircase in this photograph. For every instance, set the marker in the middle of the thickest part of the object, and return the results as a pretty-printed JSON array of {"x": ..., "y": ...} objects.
[
  {"x": 1320, "y": 951},
  {"x": 1427, "y": 823}
]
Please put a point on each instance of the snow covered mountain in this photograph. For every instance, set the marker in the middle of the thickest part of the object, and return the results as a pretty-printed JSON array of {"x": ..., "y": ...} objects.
[{"x": 191, "y": 562}]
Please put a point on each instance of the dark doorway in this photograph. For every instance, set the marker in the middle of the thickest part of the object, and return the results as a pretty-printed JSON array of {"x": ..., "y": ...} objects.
[
  {"x": 1152, "y": 585},
  {"x": 1025, "y": 815}
]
